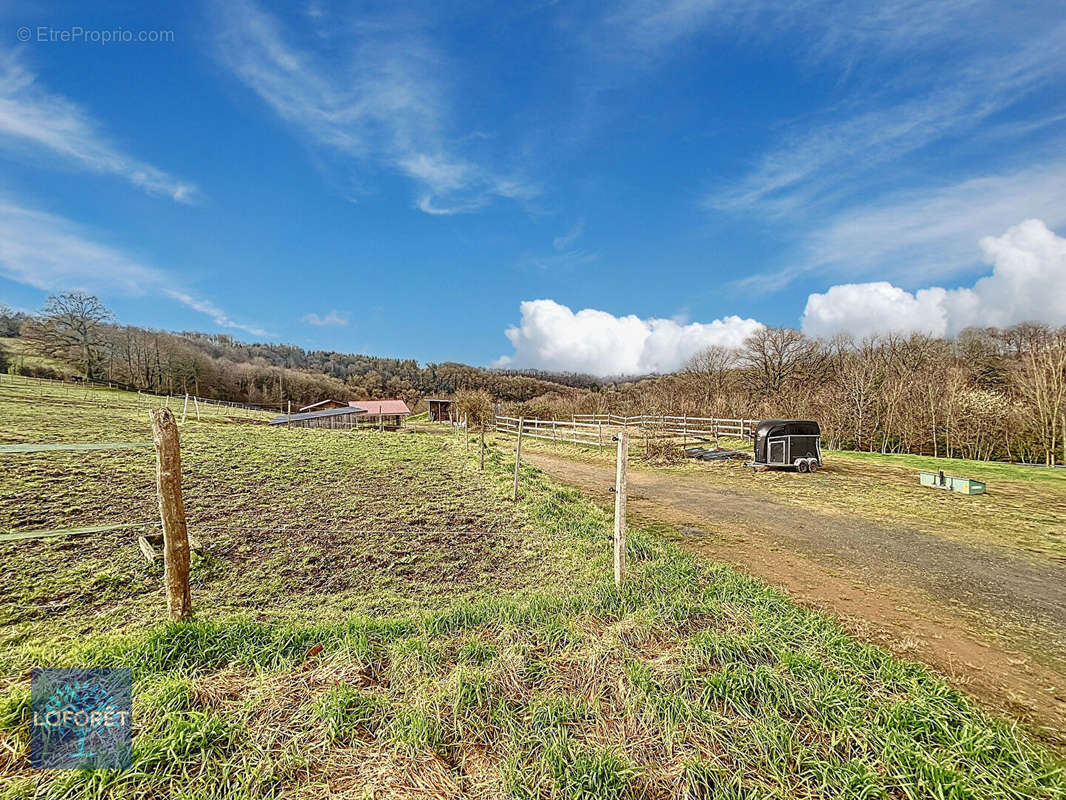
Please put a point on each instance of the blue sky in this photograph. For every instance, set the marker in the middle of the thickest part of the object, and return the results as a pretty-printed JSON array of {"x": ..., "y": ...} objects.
[{"x": 577, "y": 186}]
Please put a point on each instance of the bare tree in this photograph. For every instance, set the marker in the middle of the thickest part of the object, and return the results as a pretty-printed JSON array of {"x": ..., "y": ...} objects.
[
  {"x": 475, "y": 406},
  {"x": 1042, "y": 383},
  {"x": 709, "y": 374},
  {"x": 777, "y": 359},
  {"x": 71, "y": 328}
]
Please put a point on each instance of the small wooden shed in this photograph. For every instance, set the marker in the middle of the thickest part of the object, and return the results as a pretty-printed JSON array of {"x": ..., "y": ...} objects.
[
  {"x": 386, "y": 413},
  {"x": 440, "y": 410}
]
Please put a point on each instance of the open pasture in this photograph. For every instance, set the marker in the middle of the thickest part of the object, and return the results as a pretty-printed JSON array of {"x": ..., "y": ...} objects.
[{"x": 375, "y": 618}]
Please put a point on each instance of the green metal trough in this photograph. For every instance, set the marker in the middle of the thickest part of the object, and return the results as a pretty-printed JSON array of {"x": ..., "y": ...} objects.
[{"x": 950, "y": 483}]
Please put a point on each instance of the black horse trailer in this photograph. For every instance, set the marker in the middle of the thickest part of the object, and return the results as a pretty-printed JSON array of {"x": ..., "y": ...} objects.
[{"x": 788, "y": 443}]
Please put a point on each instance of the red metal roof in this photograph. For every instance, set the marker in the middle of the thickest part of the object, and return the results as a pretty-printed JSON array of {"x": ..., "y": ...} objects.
[{"x": 383, "y": 407}]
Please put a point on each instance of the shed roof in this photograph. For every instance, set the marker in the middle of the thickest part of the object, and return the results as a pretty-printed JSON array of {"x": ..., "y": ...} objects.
[
  {"x": 313, "y": 406},
  {"x": 385, "y": 408},
  {"x": 281, "y": 419}
]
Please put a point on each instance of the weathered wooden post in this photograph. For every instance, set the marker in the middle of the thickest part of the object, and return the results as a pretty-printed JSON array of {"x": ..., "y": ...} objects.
[
  {"x": 196, "y": 405},
  {"x": 620, "y": 508},
  {"x": 172, "y": 513},
  {"x": 554, "y": 434},
  {"x": 466, "y": 430},
  {"x": 288, "y": 414},
  {"x": 482, "y": 446},
  {"x": 518, "y": 458},
  {"x": 185, "y": 409},
  {"x": 599, "y": 434}
]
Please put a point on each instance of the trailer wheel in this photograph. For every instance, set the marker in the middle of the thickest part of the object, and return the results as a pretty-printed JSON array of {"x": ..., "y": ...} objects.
[
  {"x": 802, "y": 465},
  {"x": 813, "y": 465}
]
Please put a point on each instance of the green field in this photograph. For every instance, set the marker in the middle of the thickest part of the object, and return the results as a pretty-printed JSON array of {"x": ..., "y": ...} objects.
[
  {"x": 375, "y": 618},
  {"x": 20, "y": 355},
  {"x": 1022, "y": 511}
]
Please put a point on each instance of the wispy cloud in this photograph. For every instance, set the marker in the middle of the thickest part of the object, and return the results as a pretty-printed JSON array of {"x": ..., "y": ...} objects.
[
  {"x": 834, "y": 157},
  {"x": 32, "y": 118},
  {"x": 333, "y": 317},
  {"x": 564, "y": 254},
  {"x": 566, "y": 241},
  {"x": 51, "y": 253},
  {"x": 381, "y": 102},
  {"x": 905, "y": 235}
]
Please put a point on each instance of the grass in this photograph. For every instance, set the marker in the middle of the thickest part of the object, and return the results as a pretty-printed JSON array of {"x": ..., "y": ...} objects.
[
  {"x": 21, "y": 355},
  {"x": 527, "y": 674},
  {"x": 1024, "y": 509}
]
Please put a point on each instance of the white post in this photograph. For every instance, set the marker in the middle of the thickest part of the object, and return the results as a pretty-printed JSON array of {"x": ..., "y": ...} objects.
[
  {"x": 185, "y": 408},
  {"x": 518, "y": 457},
  {"x": 196, "y": 406},
  {"x": 620, "y": 509}
]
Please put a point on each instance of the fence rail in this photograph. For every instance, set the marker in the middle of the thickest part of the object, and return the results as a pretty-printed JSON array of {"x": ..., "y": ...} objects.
[
  {"x": 91, "y": 387},
  {"x": 595, "y": 429}
]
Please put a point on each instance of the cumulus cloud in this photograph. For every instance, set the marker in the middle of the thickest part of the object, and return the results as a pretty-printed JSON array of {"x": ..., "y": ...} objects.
[
  {"x": 1028, "y": 282},
  {"x": 552, "y": 336},
  {"x": 330, "y": 318}
]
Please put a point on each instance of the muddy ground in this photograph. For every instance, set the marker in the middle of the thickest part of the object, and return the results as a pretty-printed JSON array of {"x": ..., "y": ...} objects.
[{"x": 992, "y": 621}]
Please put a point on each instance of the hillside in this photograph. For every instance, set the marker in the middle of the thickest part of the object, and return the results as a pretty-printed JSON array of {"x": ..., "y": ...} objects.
[
  {"x": 409, "y": 632},
  {"x": 222, "y": 367}
]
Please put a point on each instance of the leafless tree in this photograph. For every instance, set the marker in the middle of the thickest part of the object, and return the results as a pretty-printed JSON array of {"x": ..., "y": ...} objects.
[
  {"x": 775, "y": 360},
  {"x": 71, "y": 327},
  {"x": 1042, "y": 384}
]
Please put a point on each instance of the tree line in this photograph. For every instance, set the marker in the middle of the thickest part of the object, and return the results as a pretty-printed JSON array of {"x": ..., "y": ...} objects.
[
  {"x": 78, "y": 331},
  {"x": 988, "y": 394}
]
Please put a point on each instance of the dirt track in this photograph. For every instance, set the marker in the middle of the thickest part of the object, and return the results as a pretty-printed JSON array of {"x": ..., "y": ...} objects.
[{"x": 992, "y": 623}]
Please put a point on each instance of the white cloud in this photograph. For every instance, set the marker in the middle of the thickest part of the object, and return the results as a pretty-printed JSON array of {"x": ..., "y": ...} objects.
[
  {"x": 835, "y": 153},
  {"x": 385, "y": 103},
  {"x": 1028, "y": 282},
  {"x": 51, "y": 253},
  {"x": 906, "y": 235},
  {"x": 35, "y": 119},
  {"x": 552, "y": 336},
  {"x": 566, "y": 241},
  {"x": 333, "y": 317}
]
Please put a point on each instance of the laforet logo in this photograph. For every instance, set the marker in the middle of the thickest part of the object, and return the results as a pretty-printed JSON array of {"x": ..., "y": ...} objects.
[{"x": 82, "y": 718}]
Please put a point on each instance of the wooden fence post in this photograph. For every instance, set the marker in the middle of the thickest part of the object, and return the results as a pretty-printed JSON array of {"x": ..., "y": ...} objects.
[
  {"x": 196, "y": 405},
  {"x": 482, "y": 446},
  {"x": 288, "y": 414},
  {"x": 620, "y": 508},
  {"x": 518, "y": 458},
  {"x": 466, "y": 430},
  {"x": 599, "y": 435},
  {"x": 185, "y": 408},
  {"x": 172, "y": 513}
]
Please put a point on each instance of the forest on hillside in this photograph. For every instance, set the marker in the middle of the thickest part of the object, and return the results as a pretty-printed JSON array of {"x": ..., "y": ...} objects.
[
  {"x": 987, "y": 393},
  {"x": 77, "y": 330}
]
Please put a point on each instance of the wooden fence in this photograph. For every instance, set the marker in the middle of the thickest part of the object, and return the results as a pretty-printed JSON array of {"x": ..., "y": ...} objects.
[
  {"x": 595, "y": 430},
  {"x": 100, "y": 392}
]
